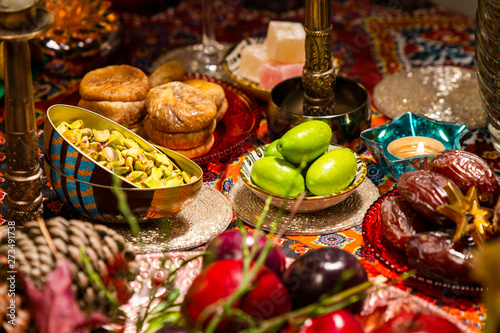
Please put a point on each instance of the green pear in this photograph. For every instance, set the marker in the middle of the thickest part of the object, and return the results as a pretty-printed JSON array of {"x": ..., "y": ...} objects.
[
  {"x": 277, "y": 176},
  {"x": 271, "y": 149},
  {"x": 305, "y": 142},
  {"x": 332, "y": 172}
]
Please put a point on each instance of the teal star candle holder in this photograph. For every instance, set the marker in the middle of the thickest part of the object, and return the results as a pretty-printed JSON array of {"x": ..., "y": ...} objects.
[{"x": 436, "y": 135}]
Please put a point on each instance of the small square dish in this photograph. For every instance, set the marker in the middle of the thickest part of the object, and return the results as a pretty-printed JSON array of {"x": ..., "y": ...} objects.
[{"x": 231, "y": 65}]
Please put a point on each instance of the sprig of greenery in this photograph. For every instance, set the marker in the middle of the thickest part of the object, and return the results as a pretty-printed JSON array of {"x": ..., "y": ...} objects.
[
  {"x": 167, "y": 310},
  {"x": 121, "y": 198}
]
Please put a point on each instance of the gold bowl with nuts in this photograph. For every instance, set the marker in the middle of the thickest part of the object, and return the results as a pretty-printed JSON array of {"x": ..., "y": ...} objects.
[{"x": 85, "y": 151}]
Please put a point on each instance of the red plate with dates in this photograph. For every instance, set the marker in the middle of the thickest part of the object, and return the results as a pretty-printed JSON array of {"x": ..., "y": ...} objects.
[{"x": 396, "y": 261}]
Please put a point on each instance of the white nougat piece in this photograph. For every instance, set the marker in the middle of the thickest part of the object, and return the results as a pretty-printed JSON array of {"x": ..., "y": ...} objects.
[
  {"x": 253, "y": 56},
  {"x": 285, "y": 42}
]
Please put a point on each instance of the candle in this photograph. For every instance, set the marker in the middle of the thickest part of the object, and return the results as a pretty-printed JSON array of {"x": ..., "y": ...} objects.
[{"x": 410, "y": 146}]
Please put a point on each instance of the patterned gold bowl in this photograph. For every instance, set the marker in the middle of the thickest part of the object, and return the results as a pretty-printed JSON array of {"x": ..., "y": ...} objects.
[
  {"x": 86, "y": 186},
  {"x": 310, "y": 203}
]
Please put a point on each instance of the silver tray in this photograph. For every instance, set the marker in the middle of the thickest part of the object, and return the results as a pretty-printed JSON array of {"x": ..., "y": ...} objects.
[
  {"x": 443, "y": 93},
  {"x": 341, "y": 216},
  {"x": 209, "y": 215}
]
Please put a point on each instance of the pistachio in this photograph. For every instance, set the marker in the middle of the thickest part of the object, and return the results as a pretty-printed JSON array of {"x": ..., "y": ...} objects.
[
  {"x": 175, "y": 181},
  {"x": 129, "y": 162},
  {"x": 77, "y": 124},
  {"x": 87, "y": 132},
  {"x": 91, "y": 153},
  {"x": 101, "y": 136},
  {"x": 142, "y": 157},
  {"x": 109, "y": 154},
  {"x": 139, "y": 166},
  {"x": 148, "y": 167},
  {"x": 136, "y": 176},
  {"x": 186, "y": 176},
  {"x": 63, "y": 127},
  {"x": 121, "y": 170},
  {"x": 156, "y": 173},
  {"x": 152, "y": 182},
  {"x": 73, "y": 136},
  {"x": 84, "y": 143},
  {"x": 161, "y": 159},
  {"x": 118, "y": 164},
  {"x": 96, "y": 146},
  {"x": 100, "y": 156},
  {"x": 131, "y": 152},
  {"x": 116, "y": 138},
  {"x": 121, "y": 158},
  {"x": 148, "y": 155},
  {"x": 124, "y": 156},
  {"x": 131, "y": 143},
  {"x": 167, "y": 171}
]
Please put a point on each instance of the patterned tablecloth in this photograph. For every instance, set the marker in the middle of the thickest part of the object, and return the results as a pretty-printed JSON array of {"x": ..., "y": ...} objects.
[{"x": 371, "y": 40}]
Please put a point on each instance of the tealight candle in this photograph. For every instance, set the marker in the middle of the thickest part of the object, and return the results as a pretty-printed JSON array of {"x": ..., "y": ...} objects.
[{"x": 410, "y": 146}]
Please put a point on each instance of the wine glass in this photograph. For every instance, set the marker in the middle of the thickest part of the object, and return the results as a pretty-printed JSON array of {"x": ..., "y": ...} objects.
[{"x": 205, "y": 58}]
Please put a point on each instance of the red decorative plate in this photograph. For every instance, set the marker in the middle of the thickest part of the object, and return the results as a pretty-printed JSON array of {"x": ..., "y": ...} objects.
[
  {"x": 239, "y": 125},
  {"x": 396, "y": 261}
]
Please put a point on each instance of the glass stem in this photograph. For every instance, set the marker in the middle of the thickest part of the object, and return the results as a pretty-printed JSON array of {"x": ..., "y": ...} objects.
[{"x": 210, "y": 45}]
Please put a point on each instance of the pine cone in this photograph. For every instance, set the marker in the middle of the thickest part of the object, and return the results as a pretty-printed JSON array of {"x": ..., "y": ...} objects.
[{"x": 110, "y": 256}]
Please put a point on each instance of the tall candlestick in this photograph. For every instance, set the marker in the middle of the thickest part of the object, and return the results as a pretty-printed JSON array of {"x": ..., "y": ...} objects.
[
  {"x": 20, "y": 21},
  {"x": 410, "y": 146}
]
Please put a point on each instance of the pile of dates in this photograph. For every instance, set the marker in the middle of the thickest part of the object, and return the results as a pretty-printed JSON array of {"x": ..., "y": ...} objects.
[
  {"x": 441, "y": 245},
  {"x": 124, "y": 156}
]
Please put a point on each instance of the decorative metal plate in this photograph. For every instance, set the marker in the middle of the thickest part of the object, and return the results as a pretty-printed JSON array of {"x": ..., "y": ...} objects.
[
  {"x": 443, "y": 93},
  {"x": 208, "y": 216},
  {"x": 340, "y": 217}
]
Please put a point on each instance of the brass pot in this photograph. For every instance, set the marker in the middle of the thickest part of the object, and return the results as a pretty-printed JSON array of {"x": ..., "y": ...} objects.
[{"x": 352, "y": 101}]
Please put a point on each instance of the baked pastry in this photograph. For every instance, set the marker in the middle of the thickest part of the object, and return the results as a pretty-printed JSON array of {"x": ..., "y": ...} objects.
[
  {"x": 214, "y": 90},
  {"x": 168, "y": 72},
  {"x": 124, "y": 113},
  {"x": 181, "y": 117},
  {"x": 178, "y": 140},
  {"x": 198, "y": 151},
  {"x": 176, "y": 107},
  {"x": 117, "y": 92}
]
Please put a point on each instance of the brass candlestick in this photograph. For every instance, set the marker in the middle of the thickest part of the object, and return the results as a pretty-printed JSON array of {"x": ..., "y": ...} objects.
[
  {"x": 21, "y": 20},
  {"x": 318, "y": 78}
]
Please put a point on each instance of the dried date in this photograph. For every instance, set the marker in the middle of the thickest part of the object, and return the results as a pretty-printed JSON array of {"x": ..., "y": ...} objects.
[
  {"x": 399, "y": 222},
  {"x": 434, "y": 254},
  {"x": 424, "y": 191},
  {"x": 466, "y": 169}
]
